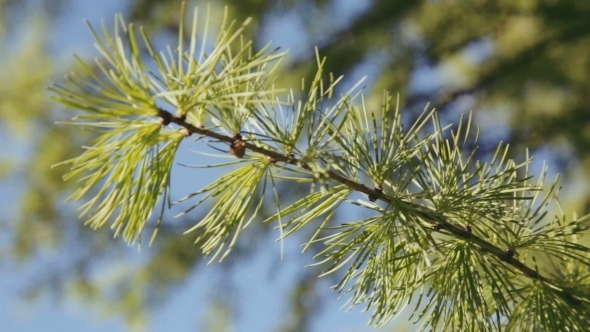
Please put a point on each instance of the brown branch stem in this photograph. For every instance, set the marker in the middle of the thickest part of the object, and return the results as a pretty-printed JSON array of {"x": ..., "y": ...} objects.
[{"x": 438, "y": 222}]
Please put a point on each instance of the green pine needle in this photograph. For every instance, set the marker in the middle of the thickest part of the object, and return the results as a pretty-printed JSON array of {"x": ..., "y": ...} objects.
[{"x": 453, "y": 238}]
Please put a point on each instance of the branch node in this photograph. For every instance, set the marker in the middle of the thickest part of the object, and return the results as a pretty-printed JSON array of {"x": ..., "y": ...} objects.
[
  {"x": 238, "y": 147},
  {"x": 166, "y": 117},
  {"x": 468, "y": 230},
  {"x": 186, "y": 132},
  {"x": 509, "y": 253},
  {"x": 379, "y": 189},
  {"x": 436, "y": 227},
  {"x": 180, "y": 118}
]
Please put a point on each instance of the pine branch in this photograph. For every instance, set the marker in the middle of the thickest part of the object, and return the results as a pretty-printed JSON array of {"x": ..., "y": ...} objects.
[
  {"x": 437, "y": 222},
  {"x": 481, "y": 213}
]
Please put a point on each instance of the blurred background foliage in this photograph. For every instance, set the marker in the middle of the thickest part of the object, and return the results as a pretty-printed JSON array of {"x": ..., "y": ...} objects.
[{"x": 522, "y": 66}]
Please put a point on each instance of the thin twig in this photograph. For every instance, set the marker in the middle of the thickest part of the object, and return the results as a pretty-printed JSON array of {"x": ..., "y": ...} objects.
[{"x": 437, "y": 221}]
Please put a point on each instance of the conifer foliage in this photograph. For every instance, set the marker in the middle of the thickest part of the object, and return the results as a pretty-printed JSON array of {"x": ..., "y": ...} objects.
[{"x": 455, "y": 238}]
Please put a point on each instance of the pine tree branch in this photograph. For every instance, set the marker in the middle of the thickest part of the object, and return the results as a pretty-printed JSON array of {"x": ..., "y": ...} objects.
[
  {"x": 438, "y": 223},
  {"x": 420, "y": 244}
]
